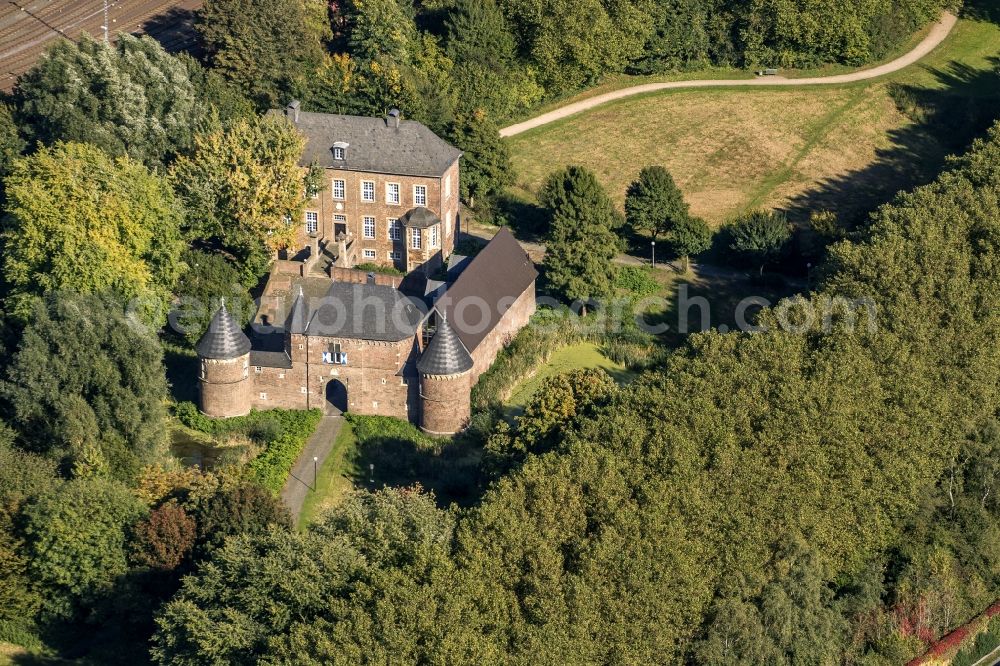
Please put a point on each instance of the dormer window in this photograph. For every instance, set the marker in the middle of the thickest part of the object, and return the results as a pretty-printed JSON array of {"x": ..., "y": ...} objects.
[{"x": 340, "y": 151}]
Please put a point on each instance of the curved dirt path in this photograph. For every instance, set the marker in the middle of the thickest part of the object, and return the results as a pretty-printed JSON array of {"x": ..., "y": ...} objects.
[{"x": 937, "y": 34}]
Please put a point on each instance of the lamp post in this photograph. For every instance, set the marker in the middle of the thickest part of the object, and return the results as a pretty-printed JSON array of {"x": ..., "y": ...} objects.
[
  {"x": 315, "y": 472},
  {"x": 652, "y": 245},
  {"x": 371, "y": 472}
]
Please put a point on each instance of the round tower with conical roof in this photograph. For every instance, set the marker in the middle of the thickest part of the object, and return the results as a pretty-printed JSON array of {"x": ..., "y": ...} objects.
[
  {"x": 224, "y": 373},
  {"x": 445, "y": 382}
]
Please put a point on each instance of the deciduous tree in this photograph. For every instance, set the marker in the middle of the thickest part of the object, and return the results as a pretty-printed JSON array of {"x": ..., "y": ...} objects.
[
  {"x": 206, "y": 279},
  {"x": 87, "y": 384},
  {"x": 127, "y": 98},
  {"x": 689, "y": 236},
  {"x": 75, "y": 539},
  {"x": 654, "y": 203},
  {"x": 759, "y": 236},
  {"x": 243, "y": 188},
  {"x": 268, "y": 48},
  {"x": 80, "y": 221},
  {"x": 486, "y": 168}
]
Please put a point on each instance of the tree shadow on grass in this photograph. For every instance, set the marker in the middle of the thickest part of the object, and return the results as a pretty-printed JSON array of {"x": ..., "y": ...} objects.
[
  {"x": 182, "y": 370},
  {"x": 982, "y": 10},
  {"x": 448, "y": 468},
  {"x": 946, "y": 120},
  {"x": 528, "y": 221}
]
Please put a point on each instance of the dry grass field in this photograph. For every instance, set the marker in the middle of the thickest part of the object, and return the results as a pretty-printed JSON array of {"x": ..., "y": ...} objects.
[{"x": 842, "y": 148}]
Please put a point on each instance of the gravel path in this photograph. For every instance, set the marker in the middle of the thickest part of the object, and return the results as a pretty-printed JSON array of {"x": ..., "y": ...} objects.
[{"x": 936, "y": 35}]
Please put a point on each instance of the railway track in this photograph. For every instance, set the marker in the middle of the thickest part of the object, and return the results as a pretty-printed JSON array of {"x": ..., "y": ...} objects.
[{"x": 28, "y": 27}]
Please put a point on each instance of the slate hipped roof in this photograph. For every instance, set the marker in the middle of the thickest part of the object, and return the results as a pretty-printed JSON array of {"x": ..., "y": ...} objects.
[
  {"x": 445, "y": 354},
  {"x": 223, "y": 339},
  {"x": 487, "y": 287},
  {"x": 374, "y": 145},
  {"x": 356, "y": 311}
]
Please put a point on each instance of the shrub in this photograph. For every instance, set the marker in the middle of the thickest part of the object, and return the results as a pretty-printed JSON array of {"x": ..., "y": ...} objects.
[
  {"x": 282, "y": 433},
  {"x": 270, "y": 469},
  {"x": 378, "y": 268},
  {"x": 548, "y": 330},
  {"x": 637, "y": 280}
]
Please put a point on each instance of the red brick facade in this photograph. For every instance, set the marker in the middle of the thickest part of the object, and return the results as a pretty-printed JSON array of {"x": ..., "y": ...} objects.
[
  {"x": 512, "y": 321},
  {"x": 446, "y": 403},
  {"x": 224, "y": 386},
  {"x": 372, "y": 243}
]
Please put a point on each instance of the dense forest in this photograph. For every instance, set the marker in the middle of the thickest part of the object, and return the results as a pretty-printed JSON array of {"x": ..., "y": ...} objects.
[{"x": 822, "y": 493}]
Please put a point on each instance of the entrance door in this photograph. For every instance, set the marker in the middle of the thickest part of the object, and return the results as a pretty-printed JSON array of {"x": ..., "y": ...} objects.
[{"x": 336, "y": 397}]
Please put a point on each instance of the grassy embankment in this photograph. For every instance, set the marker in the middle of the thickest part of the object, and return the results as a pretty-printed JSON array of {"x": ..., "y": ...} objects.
[{"x": 844, "y": 148}]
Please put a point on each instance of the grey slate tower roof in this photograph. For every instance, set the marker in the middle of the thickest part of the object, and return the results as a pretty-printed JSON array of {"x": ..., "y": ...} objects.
[
  {"x": 223, "y": 339},
  {"x": 445, "y": 355},
  {"x": 298, "y": 319}
]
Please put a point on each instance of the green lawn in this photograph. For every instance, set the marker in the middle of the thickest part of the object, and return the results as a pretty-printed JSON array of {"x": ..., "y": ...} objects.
[
  {"x": 843, "y": 148},
  {"x": 572, "y": 357},
  {"x": 335, "y": 477}
]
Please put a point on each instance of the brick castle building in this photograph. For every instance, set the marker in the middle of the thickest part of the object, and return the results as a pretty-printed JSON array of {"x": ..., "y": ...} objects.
[
  {"x": 390, "y": 191},
  {"x": 329, "y": 336}
]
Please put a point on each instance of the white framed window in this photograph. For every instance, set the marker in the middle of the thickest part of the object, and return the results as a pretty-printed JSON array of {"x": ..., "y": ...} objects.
[
  {"x": 419, "y": 195},
  {"x": 312, "y": 221},
  {"x": 263, "y": 396},
  {"x": 338, "y": 153},
  {"x": 257, "y": 369},
  {"x": 394, "y": 255},
  {"x": 368, "y": 190},
  {"x": 369, "y": 254},
  {"x": 395, "y": 230},
  {"x": 415, "y": 239},
  {"x": 392, "y": 193},
  {"x": 434, "y": 236},
  {"x": 447, "y": 186},
  {"x": 338, "y": 189},
  {"x": 368, "y": 226}
]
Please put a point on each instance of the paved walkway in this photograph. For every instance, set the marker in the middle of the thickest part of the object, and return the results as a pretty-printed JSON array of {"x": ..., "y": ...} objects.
[
  {"x": 936, "y": 35},
  {"x": 301, "y": 480}
]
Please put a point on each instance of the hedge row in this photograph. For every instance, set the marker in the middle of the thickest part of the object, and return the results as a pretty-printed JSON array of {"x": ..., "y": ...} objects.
[{"x": 282, "y": 432}]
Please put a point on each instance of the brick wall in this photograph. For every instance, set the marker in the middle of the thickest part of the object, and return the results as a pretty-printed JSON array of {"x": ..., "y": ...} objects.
[
  {"x": 512, "y": 321},
  {"x": 374, "y": 377},
  {"x": 442, "y": 198},
  {"x": 279, "y": 387},
  {"x": 361, "y": 277},
  {"x": 224, "y": 386},
  {"x": 445, "y": 403}
]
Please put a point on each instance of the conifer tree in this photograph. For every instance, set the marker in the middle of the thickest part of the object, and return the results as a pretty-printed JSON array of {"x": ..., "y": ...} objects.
[{"x": 582, "y": 241}]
